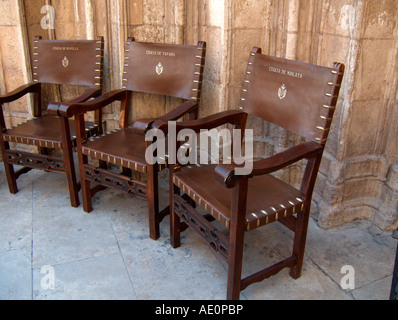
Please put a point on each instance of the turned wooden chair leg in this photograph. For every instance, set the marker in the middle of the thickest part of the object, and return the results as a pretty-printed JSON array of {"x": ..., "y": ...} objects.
[
  {"x": 300, "y": 239},
  {"x": 153, "y": 201}
]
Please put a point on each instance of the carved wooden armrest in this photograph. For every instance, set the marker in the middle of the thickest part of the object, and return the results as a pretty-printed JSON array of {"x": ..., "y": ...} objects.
[
  {"x": 20, "y": 92},
  {"x": 180, "y": 111},
  {"x": 225, "y": 173},
  {"x": 69, "y": 109},
  {"x": 143, "y": 125},
  {"x": 210, "y": 122},
  {"x": 92, "y": 92}
]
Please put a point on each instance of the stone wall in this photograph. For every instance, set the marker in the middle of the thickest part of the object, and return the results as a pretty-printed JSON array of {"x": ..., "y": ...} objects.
[{"x": 359, "y": 173}]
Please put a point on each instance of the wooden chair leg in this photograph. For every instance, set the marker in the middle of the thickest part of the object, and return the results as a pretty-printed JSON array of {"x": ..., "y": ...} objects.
[
  {"x": 153, "y": 201},
  {"x": 9, "y": 168},
  {"x": 235, "y": 252},
  {"x": 236, "y": 240},
  {"x": 68, "y": 162},
  {"x": 83, "y": 160},
  {"x": 86, "y": 194},
  {"x": 175, "y": 221},
  {"x": 175, "y": 230},
  {"x": 300, "y": 239},
  {"x": 11, "y": 177},
  {"x": 72, "y": 184}
]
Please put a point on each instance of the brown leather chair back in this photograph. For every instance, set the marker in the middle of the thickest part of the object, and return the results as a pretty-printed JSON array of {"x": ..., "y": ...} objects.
[
  {"x": 299, "y": 97},
  {"x": 71, "y": 62},
  {"x": 165, "y": 69}
]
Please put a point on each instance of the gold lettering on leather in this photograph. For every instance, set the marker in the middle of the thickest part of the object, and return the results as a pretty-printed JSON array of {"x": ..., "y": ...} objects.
[
  {"x": 295, "y": 74},
  {"x": 65, "y": 48},
  {"x": 275, "y": 70},
  {"x": 284, "y": 72},
  {"x": 160, "y": 53}
]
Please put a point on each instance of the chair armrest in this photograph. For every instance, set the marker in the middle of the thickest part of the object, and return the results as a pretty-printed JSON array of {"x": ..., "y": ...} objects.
[
  {"x": 92, "y": 92},
  {"x": 225, "y": 173},
  {"x": 210, "y": 122},
  {"x": 180, "y": 111},
  {"x": 68, "y": 109},
  {"x": 141, "y": 126},
  {"x": 19, "y": 92}
]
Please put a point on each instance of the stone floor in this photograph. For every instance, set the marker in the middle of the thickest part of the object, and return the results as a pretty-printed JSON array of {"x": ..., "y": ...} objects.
[{"x": 107, "y": 254}]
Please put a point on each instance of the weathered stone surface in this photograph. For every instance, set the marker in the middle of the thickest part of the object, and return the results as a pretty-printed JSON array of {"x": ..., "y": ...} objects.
[
  {"x": 108, "y": 254},
  {"x": 354, "y": 181}
]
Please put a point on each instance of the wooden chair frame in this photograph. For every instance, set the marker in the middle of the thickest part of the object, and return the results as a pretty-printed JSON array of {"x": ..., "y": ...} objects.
[
  {"x": 123, "y": 182},
  {"x": 65, "y": 142},
  {"x": 184, "y": 198}
]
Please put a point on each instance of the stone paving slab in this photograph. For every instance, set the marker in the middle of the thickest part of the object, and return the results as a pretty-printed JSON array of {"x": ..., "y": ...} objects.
[{"x": 107, "y": 254}]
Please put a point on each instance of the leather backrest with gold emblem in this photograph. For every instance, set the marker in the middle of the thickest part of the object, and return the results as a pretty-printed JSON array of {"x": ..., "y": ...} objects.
[
  {"x": 298, "y": 96},
  {"x": 166, "y": 69},
  {"x": 72, "y": 62}
]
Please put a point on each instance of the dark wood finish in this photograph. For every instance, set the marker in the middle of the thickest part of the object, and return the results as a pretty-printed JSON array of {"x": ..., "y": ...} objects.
[
  {"x": 185, "y": 213},
  {"x": 58, "y": 62},
  {"x": 153, "y": 201},
  {"x": 115, "y": 181},
  {"x": 20, "y": 92},
  {"x": 236, "y": 239},
  {"x": 175, "y": 221},
  {"x": 69, "y": 166},
  {"x": 244, "y": 203},
  {"x": 177, "y": 73},
  {"x": 268, "y": 272},
  {"x": 34, "y": 161}
]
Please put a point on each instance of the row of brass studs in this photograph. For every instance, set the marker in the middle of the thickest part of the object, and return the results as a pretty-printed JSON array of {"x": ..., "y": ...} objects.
[
  {"x": 332, "y": 108},
  {"x": 199, "y": 66},
  {"x": 252, "y": 54},
  {"x": 126, "y": 65},
  {"x": 114, "y": 160},
  {"x": 276, "y": 212},
  {"x": 35, "y": 60},
  {"x": 42, "y": 144},
  {"x": 99, "y": 64}
]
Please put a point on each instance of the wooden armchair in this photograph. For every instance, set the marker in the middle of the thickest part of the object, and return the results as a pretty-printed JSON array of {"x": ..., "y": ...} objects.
[
  {"x": 161, "y": 69},
  {"x": 297, "y": 96},
  {"x": 68, "y": 62}
]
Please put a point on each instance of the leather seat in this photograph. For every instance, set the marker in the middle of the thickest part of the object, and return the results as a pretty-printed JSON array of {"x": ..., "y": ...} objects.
[
  {"x": 199, "y": 182},
  {"x": 116, "y": 148},
  {"x": 44, "y": 132}
]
